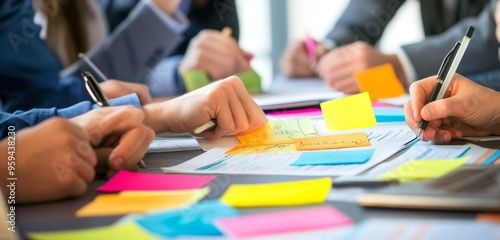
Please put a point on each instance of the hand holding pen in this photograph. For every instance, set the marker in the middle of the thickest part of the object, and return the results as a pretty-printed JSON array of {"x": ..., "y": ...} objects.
[{"x": 446, "y": 72}]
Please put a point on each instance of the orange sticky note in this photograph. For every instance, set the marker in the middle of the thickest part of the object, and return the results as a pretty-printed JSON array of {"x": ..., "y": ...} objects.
[
  {"x": 380, "y": 82},
  {"x": 351, "y": 112},
  {"x": 333, "y": 141}
]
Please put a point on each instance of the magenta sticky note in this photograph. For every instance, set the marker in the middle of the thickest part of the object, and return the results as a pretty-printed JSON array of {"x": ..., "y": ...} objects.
[
  {"x": 307, "y": 112},
  {"x": 382, "y": 105},
  {"x": 282, "y": 222},
  {"x": 135, "y": 181}
]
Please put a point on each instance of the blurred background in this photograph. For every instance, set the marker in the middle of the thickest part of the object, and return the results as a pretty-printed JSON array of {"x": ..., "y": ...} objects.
[{"x": 267, "y": 26}]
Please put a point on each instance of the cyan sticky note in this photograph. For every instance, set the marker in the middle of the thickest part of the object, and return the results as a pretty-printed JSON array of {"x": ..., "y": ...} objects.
[
  {"x": 389, "y": 114},
  {"x": 197, "y": 220},
  {"x": 334, "y": 157},
  {"x": 492, "y": 158}
]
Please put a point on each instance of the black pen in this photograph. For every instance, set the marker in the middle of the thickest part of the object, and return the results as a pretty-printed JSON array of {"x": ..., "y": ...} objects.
[
  {"x": 96, "y": 93},
  {"x": 446, "y": 72}
]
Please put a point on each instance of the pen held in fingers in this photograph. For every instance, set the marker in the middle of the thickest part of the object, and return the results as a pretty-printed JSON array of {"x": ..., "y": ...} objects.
[{"x": 204, "y": 127}]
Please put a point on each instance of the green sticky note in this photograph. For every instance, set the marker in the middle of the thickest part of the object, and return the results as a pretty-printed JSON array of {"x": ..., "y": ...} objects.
[
  {"x": 424, "y": 169},
  {"x": 129, "y": 230},
  {"x": 351, "y": 112},
  {"x": 251, "y": 79},
  {"x": 194, "y": 79}
]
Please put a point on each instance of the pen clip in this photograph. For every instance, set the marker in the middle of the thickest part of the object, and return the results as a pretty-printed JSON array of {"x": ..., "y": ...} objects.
[
  {"x": 445, "y": 65},
  {"x": 93, "y": 88}
]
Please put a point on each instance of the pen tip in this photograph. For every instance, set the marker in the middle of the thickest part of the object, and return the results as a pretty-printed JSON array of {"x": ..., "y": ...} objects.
[{"x": 420, "y": 133}]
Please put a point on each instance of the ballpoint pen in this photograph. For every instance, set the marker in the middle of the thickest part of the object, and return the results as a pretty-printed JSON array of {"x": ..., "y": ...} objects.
[
  {"x": 446, "y": 72},
  {"x": 96, "y": 94}
]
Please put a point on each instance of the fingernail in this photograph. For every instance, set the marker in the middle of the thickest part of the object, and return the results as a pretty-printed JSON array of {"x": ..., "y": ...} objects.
[{"x": 117, "y": 162}]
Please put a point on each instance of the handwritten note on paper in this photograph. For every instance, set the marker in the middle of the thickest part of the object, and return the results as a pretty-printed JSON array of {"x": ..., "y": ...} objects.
[
  {"x": 279, "y": 132},
  {"x": 282, "y": 222},
  {"x": 197, "y": 220},
  {"x": 349, "y": 113},
  {"x": 338, "y": 157},
  {"x": 124, "y": 203},
  {"x": 424, "y": 169},
  {"x": 260, "y": 149},
  {"x": 129, "y": 230},
  {"x": 380, "y": 82},
  {"x": 278, "y": 194},
  {"x": 333, "y": 141},
  {"x": 134, "y": 181}
]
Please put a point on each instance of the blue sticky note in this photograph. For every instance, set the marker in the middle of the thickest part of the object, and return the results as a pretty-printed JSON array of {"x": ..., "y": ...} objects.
[
  {"x": 389, "y": 114},
  {"x": 334, "y": 157},
  {"x": 197, "y": 220},
  {"x": 492, "y": 158}
]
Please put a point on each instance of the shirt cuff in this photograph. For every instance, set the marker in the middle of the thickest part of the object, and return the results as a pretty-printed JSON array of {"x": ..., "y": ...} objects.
[
  {"x": 409, "y": 70},
  {"x": 83, "y": 107},
  {"x": 164, "y": 80},
  {"x": 178, "y": 22}
]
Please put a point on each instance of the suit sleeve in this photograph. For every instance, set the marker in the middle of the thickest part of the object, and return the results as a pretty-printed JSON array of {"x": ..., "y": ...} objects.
[
  {"x": 363, "y": 21},
  {"x": 481, "y": 54},
  {"x": 134, "y": 47}
]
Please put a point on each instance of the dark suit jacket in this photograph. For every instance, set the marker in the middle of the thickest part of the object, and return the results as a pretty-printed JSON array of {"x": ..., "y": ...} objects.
[{"x": 366, "y": 21}]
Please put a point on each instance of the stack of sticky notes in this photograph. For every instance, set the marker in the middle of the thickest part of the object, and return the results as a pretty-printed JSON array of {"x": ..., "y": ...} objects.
[{"x": 143, "y": 192}]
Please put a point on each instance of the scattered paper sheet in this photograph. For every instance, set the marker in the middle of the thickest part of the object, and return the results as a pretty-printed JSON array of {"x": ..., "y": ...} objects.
[
  {"x": 380, "y": 82},
  {"x": 260, "y": 149},
  {"x": 347, "y": 140},
  {"x": 351, "y": 112},
  {"x": 197, "y": 220},
  {"x": 424, "y": 169},
  {"x": 340, "y": 157},
  {"x": 135, "y": 181},
  {"x": 282, "y": 222},
  {"x": 278, "y": 194},
  {"x": 130, "y": 202},
  {"x": 423, "y": 229},
  {"x": 129, "y": 230},
  {"x": 279, "y": 132}
]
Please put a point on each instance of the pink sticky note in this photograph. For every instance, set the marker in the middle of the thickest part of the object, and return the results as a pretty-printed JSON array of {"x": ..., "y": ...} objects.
[
  {"x": 282, "y": 222},
  {"x": 382, "y": 105},
  {"x": 134, "y": 181},
  {"x": 307, "y": 112}
]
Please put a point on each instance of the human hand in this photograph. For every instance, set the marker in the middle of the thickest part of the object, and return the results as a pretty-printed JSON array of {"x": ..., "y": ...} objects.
[
  {"x": 218, "y": 55},
  {"x": 295, "y": 62},
  {"x": 118, "y": 135},
  {"x": 53, "y": 160},
  {"x": 226, "y": 100},
  {"x": 468, "y": 109},
  {"x": 115, "y": 89},
  {"x": 167, "y": 6},
  {"x": 339, "y": 66}
]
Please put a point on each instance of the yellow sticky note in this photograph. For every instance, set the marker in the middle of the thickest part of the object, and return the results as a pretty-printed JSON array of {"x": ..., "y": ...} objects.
[
  {"x": 128, "y": 202},
  {"x": 333, "y": 141},
  {"x": 260, "y": 149},
  {"x": 279, "y": 132},
  {"x": 380, "y": 82},
  {"x": 424, "y": 169},
  {"x": 351, "y": 112},
  {"x": 278, "y": 194},
  {"x": 128, "y": 230}
]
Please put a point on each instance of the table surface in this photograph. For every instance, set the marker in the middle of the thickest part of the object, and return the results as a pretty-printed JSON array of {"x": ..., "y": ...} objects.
[{"x": 60, "y": 215}]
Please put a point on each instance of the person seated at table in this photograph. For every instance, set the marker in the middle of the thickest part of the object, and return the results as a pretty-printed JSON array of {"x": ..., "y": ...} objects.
[
  {"x": 468, "y": 109},
  {"x": 57, "y": 158},
  {"x": 350, "y": 46}
]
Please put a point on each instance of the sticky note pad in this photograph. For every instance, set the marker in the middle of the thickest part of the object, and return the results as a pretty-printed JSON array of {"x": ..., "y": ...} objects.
[
  {"x": 282, "y": 222},
  {"x": 278, "y": 194},
  {"x": 124, "y": 203},
  {"x": 279, "y": 132},
  {"x": 134, "y": 181},
  {"x": 424, "y": 169},
  {"x": 333, "y": 141},
  {"x": 389, "y": 114},
  {"x": 197, "y": 220},
  {"x": 349, "y": 113},
  {"x": 380, "y": 82},
  {"x": 128, "y": 230},
  {"x": 338, "y": 157},
  {"x": 194, "y": 79},
  {"x": 251, "y": 80}
]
